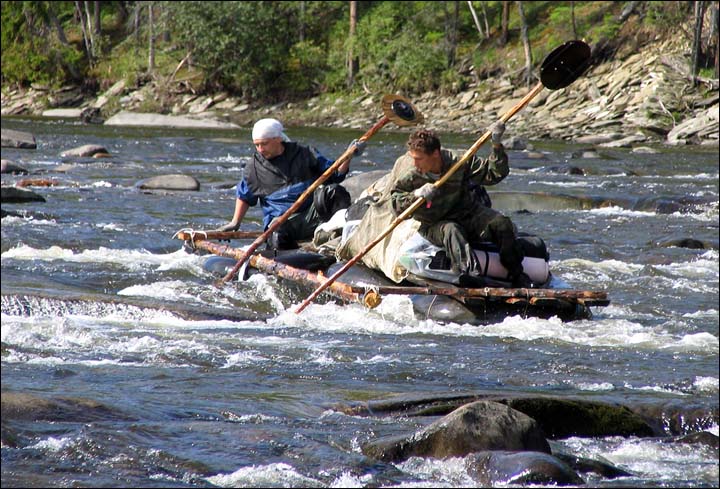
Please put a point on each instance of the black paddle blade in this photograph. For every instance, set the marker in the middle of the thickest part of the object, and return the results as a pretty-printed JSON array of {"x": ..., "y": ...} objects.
[
  {"x": 565, "y": 64},
  {"x": 401, "y": 111}
]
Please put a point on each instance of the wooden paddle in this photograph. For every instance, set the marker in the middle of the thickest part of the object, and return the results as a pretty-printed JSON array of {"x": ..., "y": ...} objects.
[
  {"x": 559, "y": 69},
  {"x": 397, "y": 109}
]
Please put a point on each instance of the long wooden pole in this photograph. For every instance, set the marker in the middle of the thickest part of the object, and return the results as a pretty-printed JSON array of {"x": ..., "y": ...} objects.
[
  {"x": 276, "y": 223},
  {"x": 410, "y": 210},
  {"x": 189, "y": 235},
  {"x": 369, "y": 298}
]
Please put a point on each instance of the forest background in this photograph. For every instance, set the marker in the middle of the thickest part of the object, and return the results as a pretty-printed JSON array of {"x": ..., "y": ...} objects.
[{"x": 268, "y": 52}]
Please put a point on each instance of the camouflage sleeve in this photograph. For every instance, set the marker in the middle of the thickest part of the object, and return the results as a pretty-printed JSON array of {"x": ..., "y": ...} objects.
[
  {"x": 401, "y": 195},
  {"x": 492, "y": 170}
]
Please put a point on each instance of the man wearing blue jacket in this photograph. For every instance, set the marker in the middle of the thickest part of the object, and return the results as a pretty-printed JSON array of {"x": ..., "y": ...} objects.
[{"x": 280, "y": 171}]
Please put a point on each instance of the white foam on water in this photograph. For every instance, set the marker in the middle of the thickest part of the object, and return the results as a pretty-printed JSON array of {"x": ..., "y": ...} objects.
[
  {"x": 110, "y": 227},
  {"x": 619, "y": 211},
  {"x": 710, "y": 313},
  {"x": 704, "y": 266},
  {"x": 133, "y": 260},
  {"x": 651, "y": 458},
  {"x": 612, "y": 332},
  {"x": 52, "y": 444},
  {"x": 578, "y": 184},
  {"x": 594, "y": 386},
  {"x": 376, "y": 359},
  {"x": 244, "y": 358},
  {"x": 430, "y": 472},
  {"x": 257, "y": 418},
  {"x": 175, "y": 290},
  {"x": 606, "y": 267},
  {"x": 24, "y": 221},
  {"x": 102, "y": 184},
  {"x": 346, "y": 479},
  {"x": 707, "y": 384},
  {"x": 271, "y": 475}
]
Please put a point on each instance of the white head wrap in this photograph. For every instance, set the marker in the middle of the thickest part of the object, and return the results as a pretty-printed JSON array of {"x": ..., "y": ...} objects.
[{"x": 268, "y": 128}]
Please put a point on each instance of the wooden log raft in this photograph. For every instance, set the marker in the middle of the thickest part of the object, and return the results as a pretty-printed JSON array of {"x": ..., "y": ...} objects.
[
  {"x": 193, "y": 235},
  {"x": 365, "y": 296},
  {"x": 372, "y": 296}
]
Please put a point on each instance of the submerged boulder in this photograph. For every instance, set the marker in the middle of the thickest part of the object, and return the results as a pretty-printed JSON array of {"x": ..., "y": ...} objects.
[
  {"x": 170, "y": 182},
  {"x": 21, "y": 406},
  {"x": 12, "y": 168},
  {"x": 18, "y": 139},
  {"x": 490, "y": 469},
  {"x": 87, "y": 150},
  {"x": 475, "y": 427},
  {"x": 562, "y": 418},
  {"x": 16, "y": 195}
]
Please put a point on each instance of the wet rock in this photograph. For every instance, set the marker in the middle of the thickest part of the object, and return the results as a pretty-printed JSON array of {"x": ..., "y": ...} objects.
[
  {"x": 584, "y": 465},
  {"x": 145, "y": 119},
  {"x": 36, "y": 182},
  {"x": 517, "y": 143},
  {"x": 12, "y": 168},
  {"x": 562, "y": 418},
  {"x": 701, "y": 438},
  {"x": 170, "y": 182},
  {"x": 598, "y": 138},
  {"x": 702, "y": 125},
  {"x": 15, "y": 195},
  {"x": 4, "y": 213},
  {"x": 586, "y": 154},
  {"x": 65, "y": 167},
  {"x": 87, "y": 150},
  {"x": 17, "y": 139},
  {"x": 8, "y": 436},
  {"x": 691, "y": 243},
  {"x": 675, "y": 418},
  {"x": 562, "y": 169},
  {"x": 478, "y": 426},
  {"x": 625, "y": 142},
  {"x": 63, "y": 113},
  {"x": 21, "y": 406},
  {"x": 645, "y": 150},
  {"x": 534, "y": 155},
  {"x": 493, "y": 468}
]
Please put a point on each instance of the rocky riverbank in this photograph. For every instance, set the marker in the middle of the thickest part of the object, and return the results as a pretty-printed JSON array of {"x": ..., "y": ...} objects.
[{"x": 646, "y": 97}]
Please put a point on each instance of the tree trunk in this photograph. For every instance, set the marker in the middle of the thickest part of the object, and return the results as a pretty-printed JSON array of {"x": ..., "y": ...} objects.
[
  {"x": 60, "y": 32},
  {"x": 451, "y": 29},
  {"x": 572, "y": 16},
  {"x": 96, "y": 13},
  {"x": 475, "y": 18},
  {"x": 485, "y": 20},
  {"x": 353, "y": 63},
  {"x": 52, "y": 16},
  {"x": 716, "y": 36},
  {"x": 136, "y": 26},
  {"x": 301, "y": 29},
  {"x": 81, "y": 18},
  {"x": 123, "y": 11},
  {"x": 504, "y": 23},
  {"x": 151, "y": 39},
  {"x": 697, "y": 36},
  {"x": 526, "y": 43},
  {"x": 89, "y": 29}
]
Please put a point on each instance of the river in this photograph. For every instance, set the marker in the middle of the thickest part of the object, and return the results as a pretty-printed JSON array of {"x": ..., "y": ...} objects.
[{"x": 190, "y": 385}]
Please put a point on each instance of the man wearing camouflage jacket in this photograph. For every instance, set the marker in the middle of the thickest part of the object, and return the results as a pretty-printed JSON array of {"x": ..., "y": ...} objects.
[{"x": 453, "y": 216}]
